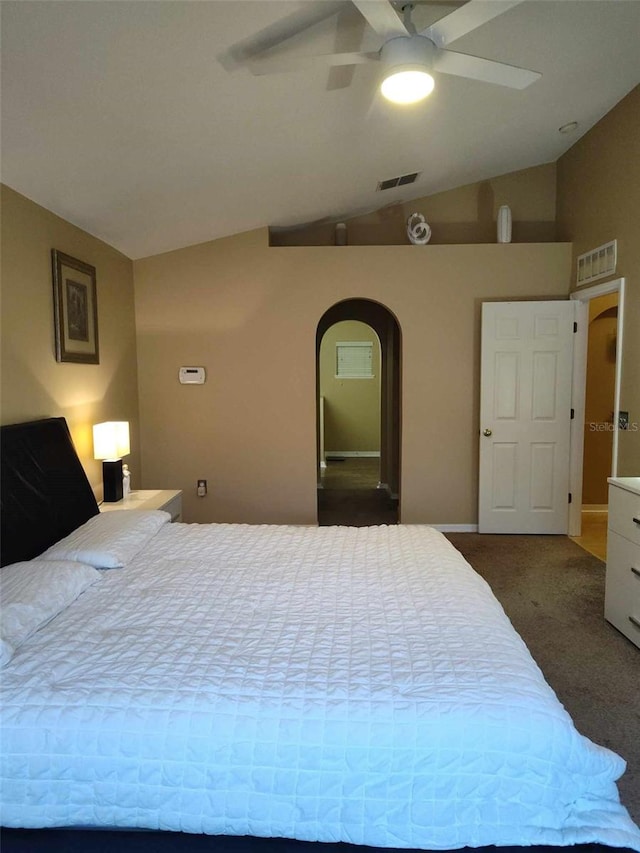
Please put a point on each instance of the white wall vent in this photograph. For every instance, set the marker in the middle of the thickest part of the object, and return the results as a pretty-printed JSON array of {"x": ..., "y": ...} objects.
[{"x": 597, "y": 263}]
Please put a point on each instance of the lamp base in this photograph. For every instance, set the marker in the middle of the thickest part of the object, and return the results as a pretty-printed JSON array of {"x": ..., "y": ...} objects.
[{"x": 112, "y": 479}]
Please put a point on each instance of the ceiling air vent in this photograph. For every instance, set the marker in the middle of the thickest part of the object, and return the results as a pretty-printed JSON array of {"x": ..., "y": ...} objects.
[{"x": 400, "y": 181}]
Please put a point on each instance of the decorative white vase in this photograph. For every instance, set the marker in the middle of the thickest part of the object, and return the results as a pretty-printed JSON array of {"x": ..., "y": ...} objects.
[{"x": 504, "y": 224}]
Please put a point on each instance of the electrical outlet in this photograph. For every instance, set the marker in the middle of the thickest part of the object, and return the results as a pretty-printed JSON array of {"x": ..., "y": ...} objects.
[{"x": 202, "y": 488}]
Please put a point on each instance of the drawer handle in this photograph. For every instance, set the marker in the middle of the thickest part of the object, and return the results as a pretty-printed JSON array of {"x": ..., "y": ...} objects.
[
  {"x": 634, "y": 621},
  {"x": 635, "y": 571}
]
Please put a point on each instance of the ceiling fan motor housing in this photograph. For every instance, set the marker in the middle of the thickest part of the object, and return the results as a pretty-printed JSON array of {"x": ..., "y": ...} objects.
[{"x": 408, "y": 52}]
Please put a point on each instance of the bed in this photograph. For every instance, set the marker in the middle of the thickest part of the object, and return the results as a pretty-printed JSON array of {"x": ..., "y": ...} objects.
[{"x": 357, "y": 685}]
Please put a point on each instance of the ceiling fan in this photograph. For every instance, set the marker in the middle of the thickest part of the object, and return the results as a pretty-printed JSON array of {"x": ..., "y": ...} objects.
[{"x": 407, "y": 56}]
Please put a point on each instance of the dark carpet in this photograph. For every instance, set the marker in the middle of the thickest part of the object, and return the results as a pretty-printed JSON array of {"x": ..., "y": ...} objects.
[
  {"x": 553, "y": 592},
  {"x": 349, "y": 495},
  {"x": 356, "y": 507}
]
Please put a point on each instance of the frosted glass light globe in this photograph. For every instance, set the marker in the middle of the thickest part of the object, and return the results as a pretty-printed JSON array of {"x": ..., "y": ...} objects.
[{"x": 407, "y": 87}]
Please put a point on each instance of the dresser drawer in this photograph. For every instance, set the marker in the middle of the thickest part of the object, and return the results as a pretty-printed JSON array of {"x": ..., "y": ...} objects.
[
  {"x": 622, "y": 591},
  {"x": 624, "y": 506}
]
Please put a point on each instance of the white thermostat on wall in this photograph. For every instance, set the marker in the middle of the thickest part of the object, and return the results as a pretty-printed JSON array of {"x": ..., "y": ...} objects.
[{"x": 192, "y": 375}]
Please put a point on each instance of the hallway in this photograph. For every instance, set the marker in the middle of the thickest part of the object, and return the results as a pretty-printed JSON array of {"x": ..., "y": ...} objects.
[{"x": 349, "y": 494}]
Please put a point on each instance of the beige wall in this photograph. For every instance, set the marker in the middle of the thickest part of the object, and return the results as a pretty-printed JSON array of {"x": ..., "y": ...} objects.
[
  {"x": 598, "y": 201},
  {"x": 249, "y": 314},
  {"x": 463, "y": 215},
  {"x": 33, "y": 384},
  {"x": 351, "y": 406}
]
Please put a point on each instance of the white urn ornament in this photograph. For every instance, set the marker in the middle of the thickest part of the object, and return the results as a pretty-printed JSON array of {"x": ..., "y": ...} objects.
[{"x": 418, "y": 230}]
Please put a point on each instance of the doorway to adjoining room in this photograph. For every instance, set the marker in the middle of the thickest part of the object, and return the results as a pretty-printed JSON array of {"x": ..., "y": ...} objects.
[
  {"x": 599, "y": 424},
  {"x": 358, "y": 434}
]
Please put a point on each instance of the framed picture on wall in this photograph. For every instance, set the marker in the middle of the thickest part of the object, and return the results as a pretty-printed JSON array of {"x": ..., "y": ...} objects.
[{"x": 75, "y": 307}]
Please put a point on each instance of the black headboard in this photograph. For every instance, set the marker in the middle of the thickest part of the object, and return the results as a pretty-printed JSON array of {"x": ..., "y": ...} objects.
[{"x": 45, "y": 493}]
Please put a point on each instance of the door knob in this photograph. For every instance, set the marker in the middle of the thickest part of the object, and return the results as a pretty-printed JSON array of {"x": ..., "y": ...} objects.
[{"x": 486, "y": 432}]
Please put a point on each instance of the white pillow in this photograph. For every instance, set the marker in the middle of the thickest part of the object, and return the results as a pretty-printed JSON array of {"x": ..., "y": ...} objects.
[
  {"x": 32, "y": 593},
  {"x": 109, "y": 540}
]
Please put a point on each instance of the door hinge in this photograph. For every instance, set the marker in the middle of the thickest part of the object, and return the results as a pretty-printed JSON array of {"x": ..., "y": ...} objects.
[
  {"x": 573, "y": 414},
  {"x": 570, "y": 498},
  {"x": 575, "y": 328}
]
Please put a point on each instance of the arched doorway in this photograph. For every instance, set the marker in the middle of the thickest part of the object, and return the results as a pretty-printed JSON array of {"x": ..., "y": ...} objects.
[
  {"x": 599, "y": 401},
  {"x": 384, "y": 505},
  {"x": 599, "y": 426}
]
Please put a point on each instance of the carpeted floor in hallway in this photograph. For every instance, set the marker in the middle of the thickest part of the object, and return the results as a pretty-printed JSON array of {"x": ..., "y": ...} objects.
[{"x": 349, "y": 494}]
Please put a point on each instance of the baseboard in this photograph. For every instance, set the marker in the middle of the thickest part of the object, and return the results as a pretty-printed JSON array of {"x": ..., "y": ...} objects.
[
  {"x": 349, "y": 453},
  {"x": 456, "y": 528}
]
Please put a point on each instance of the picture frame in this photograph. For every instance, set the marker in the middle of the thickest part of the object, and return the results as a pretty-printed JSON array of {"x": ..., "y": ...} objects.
[{"x": 75, "y": 307}]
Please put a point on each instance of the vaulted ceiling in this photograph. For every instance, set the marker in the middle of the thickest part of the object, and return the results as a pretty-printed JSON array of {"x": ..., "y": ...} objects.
[{"x": 125, "y": 119}]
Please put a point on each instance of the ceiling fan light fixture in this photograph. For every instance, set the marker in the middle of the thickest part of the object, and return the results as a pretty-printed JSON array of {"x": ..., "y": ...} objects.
[
  {"x": 407, "y": 86},
  {"x": 407, "y": 61}
]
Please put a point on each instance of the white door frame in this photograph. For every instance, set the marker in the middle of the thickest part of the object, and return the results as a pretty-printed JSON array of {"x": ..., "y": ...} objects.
[{"x": 582, "y": 298}]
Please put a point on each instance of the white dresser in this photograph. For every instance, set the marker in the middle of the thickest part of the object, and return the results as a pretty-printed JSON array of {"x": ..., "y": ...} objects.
[{"x": 622, "y": 593}]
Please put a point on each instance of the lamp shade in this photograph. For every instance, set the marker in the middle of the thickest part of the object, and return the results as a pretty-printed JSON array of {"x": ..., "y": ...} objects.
[{"x": 111, "y": 440}]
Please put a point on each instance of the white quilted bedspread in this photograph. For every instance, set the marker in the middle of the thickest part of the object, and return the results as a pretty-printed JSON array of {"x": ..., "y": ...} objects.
[{"x": 354, "y": 684}]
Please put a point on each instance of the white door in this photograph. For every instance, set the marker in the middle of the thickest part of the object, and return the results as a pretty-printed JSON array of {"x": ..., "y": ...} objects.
[{"x": 525, "y": 416}]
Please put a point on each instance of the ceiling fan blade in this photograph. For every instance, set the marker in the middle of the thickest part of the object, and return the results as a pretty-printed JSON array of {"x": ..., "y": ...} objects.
[
  {"x": 465, "y": 19},
  {"x": 282, "y": 64},
  {"x": 382, "y": 17},
  {"x": 281, "y": 31},
  {"x": 349, "y": 34},
  {"x": 340, "y": 77},
  {"x": 486, "y": 70}
]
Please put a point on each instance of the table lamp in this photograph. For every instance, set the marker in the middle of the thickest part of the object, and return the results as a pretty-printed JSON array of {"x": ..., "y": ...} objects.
[{"x": 110, "y": 444}]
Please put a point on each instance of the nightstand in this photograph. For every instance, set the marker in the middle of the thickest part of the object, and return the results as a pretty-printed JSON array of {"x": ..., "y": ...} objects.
[{"x": 166, "y": 499}]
